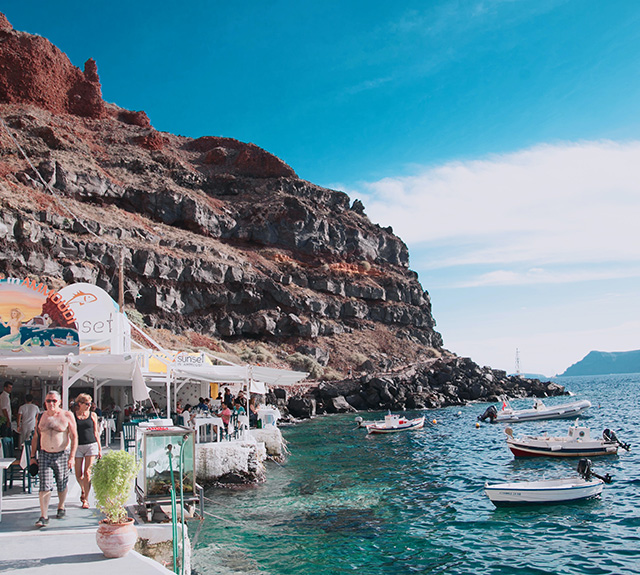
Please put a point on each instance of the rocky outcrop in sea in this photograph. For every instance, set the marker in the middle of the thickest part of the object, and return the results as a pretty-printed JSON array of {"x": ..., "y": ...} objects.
[{"x": 439, "y": 383}]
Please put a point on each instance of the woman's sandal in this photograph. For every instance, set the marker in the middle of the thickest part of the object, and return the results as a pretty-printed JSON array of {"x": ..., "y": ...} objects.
[{"x": 85, "y": 504}]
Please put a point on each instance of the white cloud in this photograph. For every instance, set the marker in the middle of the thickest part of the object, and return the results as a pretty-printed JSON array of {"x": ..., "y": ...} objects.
[
  {"x": 542, "y": 276},
  {"x": 545, "y": 207}
]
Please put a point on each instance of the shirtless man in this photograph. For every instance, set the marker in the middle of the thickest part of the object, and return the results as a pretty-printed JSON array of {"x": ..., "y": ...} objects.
[{"x": 58, "y": 437}]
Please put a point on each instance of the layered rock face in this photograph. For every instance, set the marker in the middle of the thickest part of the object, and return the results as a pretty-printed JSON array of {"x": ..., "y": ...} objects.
[{"x": 222, "y": 243}]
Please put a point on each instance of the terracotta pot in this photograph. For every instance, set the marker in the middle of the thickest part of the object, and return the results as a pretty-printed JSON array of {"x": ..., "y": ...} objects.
[{"x": 116, "y": 540}]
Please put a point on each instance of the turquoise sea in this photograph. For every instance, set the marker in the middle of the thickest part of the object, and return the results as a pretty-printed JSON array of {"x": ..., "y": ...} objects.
[{"x": 345, "y": 502}]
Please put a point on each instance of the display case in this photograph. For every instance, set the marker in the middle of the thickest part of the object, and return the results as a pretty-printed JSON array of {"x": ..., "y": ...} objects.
[{"x": 154, "y": 478}]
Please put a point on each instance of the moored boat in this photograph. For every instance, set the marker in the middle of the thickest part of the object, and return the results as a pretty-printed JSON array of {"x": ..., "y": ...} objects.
[
  {"x": 577, "y": 443},
  {"x": 545, "y": 491},
  {"x": 539, "y": 411},
  {"x": 393, "y": 423},
  {"x": 586, "y": 485}
]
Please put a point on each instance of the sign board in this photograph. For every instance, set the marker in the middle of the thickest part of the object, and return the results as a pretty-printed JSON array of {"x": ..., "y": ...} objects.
[
  {"x": 191, "y": 360},
  {"x": 35, "y": 320},
  {"x": 96, "y": 314}
]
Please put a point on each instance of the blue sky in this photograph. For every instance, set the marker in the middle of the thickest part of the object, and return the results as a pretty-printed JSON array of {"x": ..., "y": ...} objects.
[{"x": 499, "y": 138}]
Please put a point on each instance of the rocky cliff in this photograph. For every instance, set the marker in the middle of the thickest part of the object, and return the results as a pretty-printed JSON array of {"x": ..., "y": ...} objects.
[{"x": 224, "y": 247}]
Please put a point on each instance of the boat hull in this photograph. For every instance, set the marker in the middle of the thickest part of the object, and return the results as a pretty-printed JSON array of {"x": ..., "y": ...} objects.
[
  {"x": 410, "y": 425},
  {"x": 526, "y": 450},
  {"x": 563, "y": 411},
  {"x": 541, "y": 492}
]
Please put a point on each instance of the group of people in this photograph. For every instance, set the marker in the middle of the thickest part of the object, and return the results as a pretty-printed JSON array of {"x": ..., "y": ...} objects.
[
  {"x": 226, "y": 406},
  {"x": 61, "y": 440},
  {"x": 26, "y": 417},
  {"x": 64, "y": 440}
]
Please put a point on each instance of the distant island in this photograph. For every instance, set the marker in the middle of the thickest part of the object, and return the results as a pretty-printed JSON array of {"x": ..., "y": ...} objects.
[{"x": 605, "y": 363}]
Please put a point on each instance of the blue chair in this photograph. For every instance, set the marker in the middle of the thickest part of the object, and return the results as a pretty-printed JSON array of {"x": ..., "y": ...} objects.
[
  {"x": 14, "y": 471},
  {"x": 129, "y": 434}
]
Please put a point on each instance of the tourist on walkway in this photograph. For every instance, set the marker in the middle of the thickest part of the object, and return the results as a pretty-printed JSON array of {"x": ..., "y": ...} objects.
[
  {"x": 27, "y": 418},
  {"x": 5, "y": 410},
  {"x": 56, "y": 441},
  {"x": 88, "y": 445}
]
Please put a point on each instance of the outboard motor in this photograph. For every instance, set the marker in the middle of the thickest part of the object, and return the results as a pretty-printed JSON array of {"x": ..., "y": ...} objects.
[
  {"x": 609, "y": 436},
  {"x": 491, "y": 413},
  {"x": 584, "y": 469}
]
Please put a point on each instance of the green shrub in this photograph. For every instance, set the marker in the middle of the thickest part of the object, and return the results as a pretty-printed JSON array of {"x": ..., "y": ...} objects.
[
  {"x": 301, "y": 362},
  {"x": 112, "y": 481},
  {"x": 258, "y": 355},
  {"x": 135, "y": 317}
]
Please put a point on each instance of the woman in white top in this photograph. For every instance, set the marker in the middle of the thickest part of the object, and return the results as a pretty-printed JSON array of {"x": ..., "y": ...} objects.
[{"x": 188, "y": 418}]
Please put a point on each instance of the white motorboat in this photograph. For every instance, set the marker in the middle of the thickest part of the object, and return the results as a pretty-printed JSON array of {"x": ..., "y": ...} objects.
[
  {"x": 586, "y": 485},
  {"x": 538, "y": 412},
  {"x": 545, "y": 491},
  {"x": 393, "y": 423},
  {"x": 577, "y": 443}
]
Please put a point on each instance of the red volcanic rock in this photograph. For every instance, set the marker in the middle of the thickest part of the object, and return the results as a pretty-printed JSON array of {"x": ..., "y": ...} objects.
[
  {"x": 91, "y": 71},
  {"x": 134, "y": 118},
  {"x": 256, "y": 162},
  {"x": 240, "y": 158},
  {"x": 34, "y": 71},
  {"x": 5, "y": 26},
  {"x": 218, "y": 156},
  {"x": 152, "y": 141}
]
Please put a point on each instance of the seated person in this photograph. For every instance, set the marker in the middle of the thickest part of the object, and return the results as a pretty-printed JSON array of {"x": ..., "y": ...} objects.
[
  {"x": 253, "y": 412},
  {"x": 225, "y": 415},
  {"x": 188, "y": 418},
  {"x": 238, "y": 408}
]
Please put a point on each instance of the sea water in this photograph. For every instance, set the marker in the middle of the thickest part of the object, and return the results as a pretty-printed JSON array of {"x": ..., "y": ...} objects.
[{"x": 413, "y": 502}]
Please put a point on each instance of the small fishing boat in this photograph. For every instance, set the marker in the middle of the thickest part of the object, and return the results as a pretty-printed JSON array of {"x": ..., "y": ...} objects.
[
  {"x": 393, "y": 423},
  {"x": 577, "y": 443},
  {"x": 587, "y": 484},
  {"x": 64, "y": 342},
  {"x": 539, "y": 411}
]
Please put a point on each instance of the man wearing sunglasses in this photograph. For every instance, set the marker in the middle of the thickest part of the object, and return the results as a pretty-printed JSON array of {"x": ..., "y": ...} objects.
[{"x": 56, "y": 441}]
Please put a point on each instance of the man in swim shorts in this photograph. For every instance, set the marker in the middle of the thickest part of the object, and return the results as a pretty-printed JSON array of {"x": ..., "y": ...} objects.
[{"x": 56, "y": 438}]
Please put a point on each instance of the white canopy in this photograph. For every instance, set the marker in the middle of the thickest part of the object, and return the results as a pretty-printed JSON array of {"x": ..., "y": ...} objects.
[
  {"x": 120, "y": 369},
  {"x": 243, "y": 374}
]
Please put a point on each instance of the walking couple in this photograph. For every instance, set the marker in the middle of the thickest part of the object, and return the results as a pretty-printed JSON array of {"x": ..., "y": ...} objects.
[{"x": 62, "y": 439}]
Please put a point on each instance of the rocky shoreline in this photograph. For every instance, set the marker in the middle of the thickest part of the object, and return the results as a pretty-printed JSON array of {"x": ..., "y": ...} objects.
[{"x": 440, "y": 382}]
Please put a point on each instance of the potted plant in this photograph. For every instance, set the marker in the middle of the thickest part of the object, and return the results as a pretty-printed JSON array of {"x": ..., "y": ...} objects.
[{"x": 112, "y": 481}]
